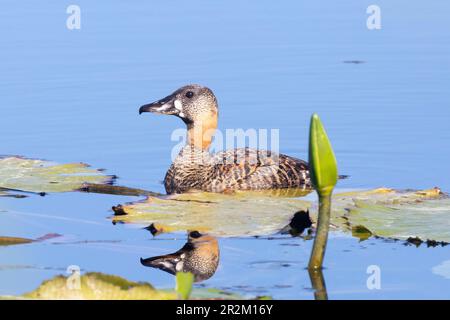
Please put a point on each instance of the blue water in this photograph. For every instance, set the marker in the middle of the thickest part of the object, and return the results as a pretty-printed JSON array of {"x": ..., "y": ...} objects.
[{"x": 73, "y": 95}]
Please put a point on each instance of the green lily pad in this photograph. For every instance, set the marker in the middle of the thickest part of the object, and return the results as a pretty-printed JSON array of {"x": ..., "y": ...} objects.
[
  {"x": 226, "y": 215},
  {"x": 401, "y": 215},
  {"x": 100, "y": 286},
  {"x": 381, "y": 212},
  {"x": 8, "y": 241},
  {"x": 96, "y": 286},
  {"x": 21, "y": 174}
]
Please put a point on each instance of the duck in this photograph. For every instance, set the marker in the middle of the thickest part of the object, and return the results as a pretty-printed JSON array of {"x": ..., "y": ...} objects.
[
  {"x": 196, "y": 169},
  {"x": 200, "y": 256}
]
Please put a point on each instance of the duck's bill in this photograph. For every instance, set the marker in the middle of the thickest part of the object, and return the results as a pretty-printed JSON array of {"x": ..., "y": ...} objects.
[
  {"x": 163, "y": 106},
  {"x": 165, "y": 263},
  {"x": 150, "y": 262}
]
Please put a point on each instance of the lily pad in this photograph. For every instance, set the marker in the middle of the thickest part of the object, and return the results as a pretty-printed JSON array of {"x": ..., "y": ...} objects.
[
  {"x": 237, "y": 214},
  {"x": 381, "y": 212},
  {"x": 96, "y": 286},
  {"x": 8, "y": 241},
  {"x": 30, "y": 175},
  {"x": 388, "y": 213},
  {"x": 100, "y": 286}
]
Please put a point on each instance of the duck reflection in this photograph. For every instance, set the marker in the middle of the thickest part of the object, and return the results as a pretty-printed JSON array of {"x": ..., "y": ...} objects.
[{"x": 200, "y": 256}]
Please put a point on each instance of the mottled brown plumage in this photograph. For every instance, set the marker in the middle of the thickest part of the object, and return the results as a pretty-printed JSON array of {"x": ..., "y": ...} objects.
[{"x": 195, "y": 169}]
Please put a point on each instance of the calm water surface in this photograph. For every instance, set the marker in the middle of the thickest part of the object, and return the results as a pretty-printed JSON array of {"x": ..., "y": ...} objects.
[{"x": 73, "y": 96}]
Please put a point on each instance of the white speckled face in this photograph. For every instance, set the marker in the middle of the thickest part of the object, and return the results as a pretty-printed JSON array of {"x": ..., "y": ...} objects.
[
  {"x": 179, "y": 106},
  {"x": 179, "y": 266}
]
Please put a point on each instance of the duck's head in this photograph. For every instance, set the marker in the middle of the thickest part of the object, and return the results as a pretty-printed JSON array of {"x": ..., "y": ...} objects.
[
  {"x": 191, "y": 103},
  {"x": 196, "y": 106}
]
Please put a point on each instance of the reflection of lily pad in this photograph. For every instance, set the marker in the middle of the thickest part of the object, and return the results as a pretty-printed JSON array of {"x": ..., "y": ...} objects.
[
  {"x": 382, "y": 212},
  {"x": 30, "y": 175}
]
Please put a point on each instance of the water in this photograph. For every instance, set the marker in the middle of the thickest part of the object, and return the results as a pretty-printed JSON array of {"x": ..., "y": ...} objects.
[{"x": 73, "y": 96}]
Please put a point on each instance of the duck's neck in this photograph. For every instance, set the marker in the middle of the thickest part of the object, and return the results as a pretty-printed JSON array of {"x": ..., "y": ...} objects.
[{"x": 201, "y": 131}]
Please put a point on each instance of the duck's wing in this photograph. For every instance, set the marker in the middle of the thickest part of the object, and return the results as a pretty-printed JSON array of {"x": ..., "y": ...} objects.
[{"x": 251, "y": 169}]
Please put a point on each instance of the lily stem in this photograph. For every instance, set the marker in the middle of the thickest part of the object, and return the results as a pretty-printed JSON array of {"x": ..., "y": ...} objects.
[
  {"x": 318, "y": 284},
  {"x": 323, "y": 225}
]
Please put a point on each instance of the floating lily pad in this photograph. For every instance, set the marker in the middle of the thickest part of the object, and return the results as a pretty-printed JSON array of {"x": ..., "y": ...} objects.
[
  {"x": 96, "y": 286},
  {"x": 9, "y": 241},
  {"x": 237, "y": 214},
  {"x": 389, "y": 213},
  {"x": 99, "y": 286},
  {"x": 382, "y": 212},
  {"x": 30, "y": 175}
]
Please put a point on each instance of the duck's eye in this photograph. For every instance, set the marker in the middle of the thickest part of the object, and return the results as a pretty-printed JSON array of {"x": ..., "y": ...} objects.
[
  {"x": 189, "y": 94},
  {"x": 195, "y": 234}
]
